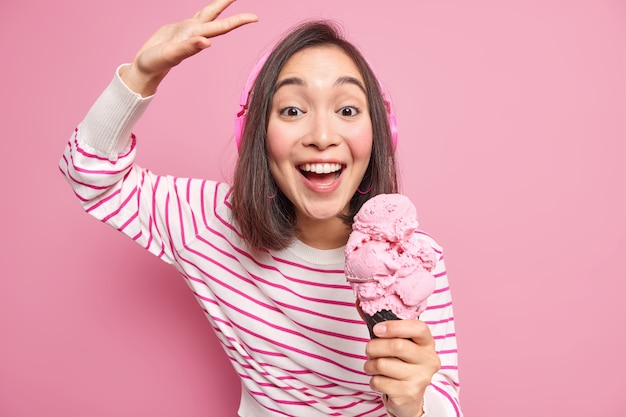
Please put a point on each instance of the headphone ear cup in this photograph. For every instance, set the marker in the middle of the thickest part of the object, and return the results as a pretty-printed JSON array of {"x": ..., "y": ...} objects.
[
  {"x": 393, "y": 126},
  {"x": 391, "y": 116},
  {"x": 244, "y": 99},
  {"x": 239, "y": 121}
]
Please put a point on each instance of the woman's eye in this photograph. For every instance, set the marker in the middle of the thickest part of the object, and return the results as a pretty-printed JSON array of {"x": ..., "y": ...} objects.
[
  {"x": 291, "y": 111},
  {"x": 348, "y": 111}
]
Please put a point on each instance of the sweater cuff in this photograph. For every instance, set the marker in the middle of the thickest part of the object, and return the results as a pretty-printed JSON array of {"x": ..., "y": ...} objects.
[
  {"x": 107, "y": 127},
  {"x": 437, "y": 405}
]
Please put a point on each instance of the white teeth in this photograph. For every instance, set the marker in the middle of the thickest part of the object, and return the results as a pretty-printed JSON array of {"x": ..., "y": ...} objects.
[{"x": 320, "y": 168}]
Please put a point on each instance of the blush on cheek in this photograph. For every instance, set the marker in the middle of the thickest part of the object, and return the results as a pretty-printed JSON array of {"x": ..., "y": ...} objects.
[
  {"x": 277, "y": 148},
  {"x": 360, "y": 142}
]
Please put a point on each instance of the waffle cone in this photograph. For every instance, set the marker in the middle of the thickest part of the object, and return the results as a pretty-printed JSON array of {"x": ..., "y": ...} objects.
[{"x": 378, "y": 317}]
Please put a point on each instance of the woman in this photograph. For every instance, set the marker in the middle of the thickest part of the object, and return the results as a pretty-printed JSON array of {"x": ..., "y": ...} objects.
[{"x": 264, "y": 257}]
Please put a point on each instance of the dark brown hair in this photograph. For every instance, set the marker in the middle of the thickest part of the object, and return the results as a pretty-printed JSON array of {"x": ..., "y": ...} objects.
[{"x": 263, "y": 214}]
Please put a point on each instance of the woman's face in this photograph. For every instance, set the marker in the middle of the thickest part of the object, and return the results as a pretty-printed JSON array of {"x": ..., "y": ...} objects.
[{"x": 319, "y": 132}]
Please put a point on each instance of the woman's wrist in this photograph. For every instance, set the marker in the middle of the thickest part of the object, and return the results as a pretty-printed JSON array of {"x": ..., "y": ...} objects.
[
  {"x": 139, "y": 82},
  {"x": 421, "y": 413}
]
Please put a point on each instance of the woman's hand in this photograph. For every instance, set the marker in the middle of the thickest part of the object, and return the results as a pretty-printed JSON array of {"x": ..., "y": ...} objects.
[
  {"x": 175, "y": 42},
  {"x": 402, "y": 362}
]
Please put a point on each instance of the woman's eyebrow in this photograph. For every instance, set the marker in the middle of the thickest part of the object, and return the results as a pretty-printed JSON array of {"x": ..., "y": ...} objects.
[
  {"x": 350, "y": 80},
  {"x": 300, "y": 82},
  {"x": 289, "y": 81}
]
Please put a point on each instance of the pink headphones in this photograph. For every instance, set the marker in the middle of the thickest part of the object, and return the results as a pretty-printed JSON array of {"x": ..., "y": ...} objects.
[{"x": 240, "y": 117}]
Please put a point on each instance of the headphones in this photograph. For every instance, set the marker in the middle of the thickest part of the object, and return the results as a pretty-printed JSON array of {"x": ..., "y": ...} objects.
[{"x": 244, "y": 99}]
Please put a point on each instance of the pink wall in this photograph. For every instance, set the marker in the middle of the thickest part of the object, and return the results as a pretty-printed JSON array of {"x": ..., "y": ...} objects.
[{"x": 512, "y": 127}]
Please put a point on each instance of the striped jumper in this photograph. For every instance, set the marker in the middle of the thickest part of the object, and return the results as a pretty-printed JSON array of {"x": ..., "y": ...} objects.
[{"x": 286, "y": 319}]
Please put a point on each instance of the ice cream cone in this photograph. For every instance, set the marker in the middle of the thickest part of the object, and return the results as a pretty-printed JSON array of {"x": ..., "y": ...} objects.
[{"x": 378, "y": 317}]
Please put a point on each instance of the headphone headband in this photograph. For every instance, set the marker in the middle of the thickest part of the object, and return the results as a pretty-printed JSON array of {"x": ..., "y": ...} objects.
[{"x": 244, "y": 100}]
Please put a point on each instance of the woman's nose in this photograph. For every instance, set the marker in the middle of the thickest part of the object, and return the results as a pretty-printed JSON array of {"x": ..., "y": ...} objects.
[{"x": 323, "y": 131}]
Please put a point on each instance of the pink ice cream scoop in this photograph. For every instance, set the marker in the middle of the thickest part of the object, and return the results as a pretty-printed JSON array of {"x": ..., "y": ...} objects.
[{"x": 388, "y": 267}]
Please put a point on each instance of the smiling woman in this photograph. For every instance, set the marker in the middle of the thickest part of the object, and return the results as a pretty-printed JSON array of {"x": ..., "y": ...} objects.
[{"x": 265, "y": 256}]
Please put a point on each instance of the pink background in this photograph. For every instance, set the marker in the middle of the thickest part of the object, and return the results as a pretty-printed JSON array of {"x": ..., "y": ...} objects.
[{"x": 512, "y": 138}]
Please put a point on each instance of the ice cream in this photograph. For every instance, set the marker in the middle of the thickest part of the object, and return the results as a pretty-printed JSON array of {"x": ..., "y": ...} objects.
[{"x": 387, "y": 265}]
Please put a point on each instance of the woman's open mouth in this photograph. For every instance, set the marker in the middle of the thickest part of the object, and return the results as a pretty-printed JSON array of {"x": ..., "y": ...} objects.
[{"x": 323, "y": 174}]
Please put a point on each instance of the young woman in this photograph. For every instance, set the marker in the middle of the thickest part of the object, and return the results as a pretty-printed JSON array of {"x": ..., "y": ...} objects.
[{"x": 264, "y": 256}]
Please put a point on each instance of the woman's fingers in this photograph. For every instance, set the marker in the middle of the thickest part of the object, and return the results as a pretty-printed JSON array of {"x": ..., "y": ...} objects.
[
  {"x": 212, "y": 10},
  {"x": 415, "y": 330},
  {"x": 386, "y": 356},
  {"x": 402, "y": 362},
  {"x": 222, "y": 26}
]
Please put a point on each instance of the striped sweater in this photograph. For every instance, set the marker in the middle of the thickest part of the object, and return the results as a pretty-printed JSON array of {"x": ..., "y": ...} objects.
[{"x": 286, "y": 319}]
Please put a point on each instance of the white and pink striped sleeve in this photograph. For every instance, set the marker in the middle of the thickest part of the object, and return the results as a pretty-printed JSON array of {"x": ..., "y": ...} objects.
[
  {"x": 98, "y": 162},
  {"x": 442, "y": 396}
]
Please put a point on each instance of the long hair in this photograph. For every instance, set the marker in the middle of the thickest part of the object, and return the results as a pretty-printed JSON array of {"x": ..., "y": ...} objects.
[{"x": 263, "y": 214}]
